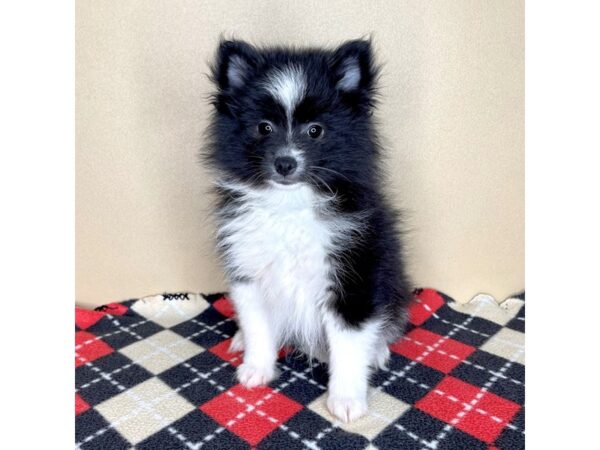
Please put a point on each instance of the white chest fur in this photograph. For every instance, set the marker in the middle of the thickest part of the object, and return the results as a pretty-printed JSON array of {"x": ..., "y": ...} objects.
[{"x": 280, "y": 240}]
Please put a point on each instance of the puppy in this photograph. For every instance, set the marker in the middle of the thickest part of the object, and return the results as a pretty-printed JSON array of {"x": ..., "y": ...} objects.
[{"x": 309, "y": 244}]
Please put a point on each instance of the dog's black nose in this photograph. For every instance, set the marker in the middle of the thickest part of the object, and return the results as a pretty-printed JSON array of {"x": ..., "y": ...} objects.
[{"x": 285, "y": 165}]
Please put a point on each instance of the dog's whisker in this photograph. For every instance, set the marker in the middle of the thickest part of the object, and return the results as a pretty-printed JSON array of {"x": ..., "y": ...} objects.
[
  {"x": 330, "y": 170},
  {"x": 319, "y": 179}
]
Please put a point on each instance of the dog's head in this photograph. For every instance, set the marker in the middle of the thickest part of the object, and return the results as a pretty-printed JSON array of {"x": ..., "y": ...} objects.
[{"x": 285, "y": 117}]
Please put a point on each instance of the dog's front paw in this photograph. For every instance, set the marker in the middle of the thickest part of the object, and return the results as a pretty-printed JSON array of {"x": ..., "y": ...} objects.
[
  {"x": 347, "y": 409},
  {"x": 251, "y": 376}
]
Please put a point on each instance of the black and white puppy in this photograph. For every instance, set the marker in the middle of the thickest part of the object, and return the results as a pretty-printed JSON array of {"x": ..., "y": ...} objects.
[{"x": 309, "y": 245}]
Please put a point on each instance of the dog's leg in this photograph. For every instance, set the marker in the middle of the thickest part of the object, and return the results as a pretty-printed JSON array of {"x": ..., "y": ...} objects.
[
  {"x": 260, "y": 352},
  {"x": 351, "y": 353},
  {"x": 237, "y": 342},
  {"x": 382, "y": 355}
]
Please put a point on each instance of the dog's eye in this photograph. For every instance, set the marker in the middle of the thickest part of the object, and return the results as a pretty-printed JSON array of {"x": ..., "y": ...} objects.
[
  {"x": 265, "y": 128},
  {"x": 314, "y": 131}
]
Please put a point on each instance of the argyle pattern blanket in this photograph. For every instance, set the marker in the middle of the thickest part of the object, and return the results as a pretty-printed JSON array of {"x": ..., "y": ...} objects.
[{"x": 155, "y": 373}]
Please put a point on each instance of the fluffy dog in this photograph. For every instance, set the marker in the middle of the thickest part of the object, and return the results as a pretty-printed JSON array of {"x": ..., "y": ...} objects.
[{"x": 310, "y": 247}]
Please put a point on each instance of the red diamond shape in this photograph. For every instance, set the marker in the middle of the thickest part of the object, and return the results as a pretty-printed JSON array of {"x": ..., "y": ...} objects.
[
  {"x": 445, "y": 356},
  {"x": 85, "y": 318},
  {"x": 485, "y": 420},
  {"x": 222, "y": 351},
  {"x": 88, "y": 348},
  {"x": 251, "y": 413},
  {"x": 224, "y": 306},
  {"x": 424, "y": 305},
  {"x": 114, "y": 309},
  {"x": 80, "y": 405},
  {"x": 284, "y": 351}
]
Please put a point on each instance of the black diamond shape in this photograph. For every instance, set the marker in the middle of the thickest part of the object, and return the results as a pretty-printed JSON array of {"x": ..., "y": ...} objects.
[
  {"x": 415, "y": 428},
  {"x": 407, "y": 387},
  {"x": 474, "y": 333},
  {"x": 118, "y": 337},
  {"x": 211, "y": 298},
  {"x": 90, "y": 422},
  {"x": 193, "y": 428},
  {"x": 304, "y": 385},
  {"x": 203, "y": 328},
  {"x": 518, "y": 322},
  {"x": 510, "y": 438},
  {"x": 211, "y": 382},
  {"x": 92, "y": 381}
]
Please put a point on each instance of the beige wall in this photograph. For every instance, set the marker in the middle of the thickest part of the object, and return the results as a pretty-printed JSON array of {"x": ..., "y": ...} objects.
[{"x": 451, "y": 112}]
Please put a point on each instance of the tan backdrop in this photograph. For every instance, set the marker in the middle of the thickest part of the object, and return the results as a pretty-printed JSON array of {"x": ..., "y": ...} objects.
[{"x": 451, "y": 112}]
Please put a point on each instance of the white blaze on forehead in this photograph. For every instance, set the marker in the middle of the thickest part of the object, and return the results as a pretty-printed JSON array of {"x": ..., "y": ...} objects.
[{"x": 287, "y": 86}]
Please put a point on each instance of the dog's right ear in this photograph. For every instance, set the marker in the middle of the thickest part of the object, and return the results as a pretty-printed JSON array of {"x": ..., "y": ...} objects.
[{"x": 236, "y": 61}]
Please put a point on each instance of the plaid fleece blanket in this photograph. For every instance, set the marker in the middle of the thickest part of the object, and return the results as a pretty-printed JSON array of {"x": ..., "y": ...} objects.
[{"x": 155, "y": 373}]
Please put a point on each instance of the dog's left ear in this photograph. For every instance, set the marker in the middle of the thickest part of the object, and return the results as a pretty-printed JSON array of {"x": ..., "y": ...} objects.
[{"x": 352, "y": 65}]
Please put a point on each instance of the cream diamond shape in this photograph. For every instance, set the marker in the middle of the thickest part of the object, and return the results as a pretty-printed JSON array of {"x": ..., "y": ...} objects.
[
  {"x": 161, "y": 351},
  {"x": 486, "y": 307},
  {"x": 508, "y": 344},
  {"x": 168, "y": 313},
  {"x": 383, "y": 410},
  {"x": 141, "y": 411}
]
